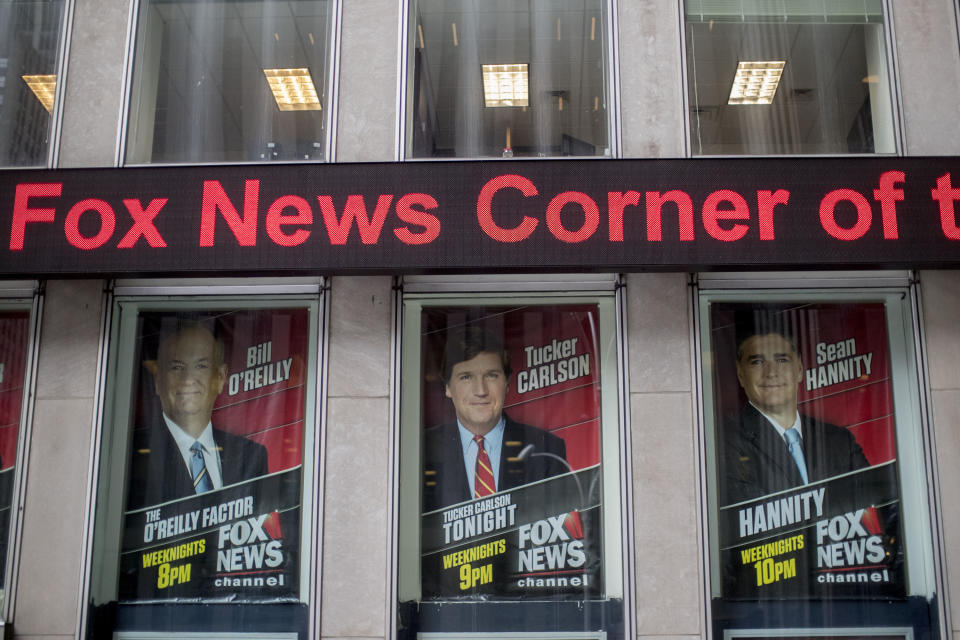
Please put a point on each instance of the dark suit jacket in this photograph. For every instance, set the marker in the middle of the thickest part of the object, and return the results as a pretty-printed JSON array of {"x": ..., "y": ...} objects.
[
  {"x": 158, "y": 473},
  {"x": 445, "y": 475},
  {"x": 754, "y": 460}
]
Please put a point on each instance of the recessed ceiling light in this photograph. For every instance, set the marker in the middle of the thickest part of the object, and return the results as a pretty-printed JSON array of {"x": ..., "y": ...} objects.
[
  {"x": 756, "y": 82},
  {"x": 506, "y": 85},
  {"x": 293, "y": 89},
  {"x": 44, "y": 87}
]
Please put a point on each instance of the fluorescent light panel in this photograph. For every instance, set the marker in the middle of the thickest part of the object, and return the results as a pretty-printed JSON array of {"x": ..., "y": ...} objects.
[
  {"x": 293, "y": 89},
  {"x": 506, "y": 85},
  {"x": 756, "y": 82},
  {"x": 44, "y": 87}
]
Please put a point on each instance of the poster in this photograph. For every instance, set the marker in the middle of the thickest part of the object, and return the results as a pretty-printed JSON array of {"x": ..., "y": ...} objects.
[
  {"x": 528, "y": 377},
  {"x": 14, "y": 337},
  {"x": 824, "y": 368},
  {"x": 222, "y": 523}
]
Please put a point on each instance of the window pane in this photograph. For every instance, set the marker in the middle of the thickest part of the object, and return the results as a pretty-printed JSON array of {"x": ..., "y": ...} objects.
[
  {"x": 218, "y": 404},
  {"x": 14, "y": 340},
  {"x": 818, "y": 521},
  {"x": 502, "y": 78},
  {"x": 788, "y": 77},
  {"x": 29, "y": 42},
  {"x": 230, "y": 81},
  {"x": 512, "y": 526}
]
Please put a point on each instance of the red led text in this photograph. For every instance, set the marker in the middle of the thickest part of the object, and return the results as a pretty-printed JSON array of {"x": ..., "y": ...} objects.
[{"x": 32, "y": 202}]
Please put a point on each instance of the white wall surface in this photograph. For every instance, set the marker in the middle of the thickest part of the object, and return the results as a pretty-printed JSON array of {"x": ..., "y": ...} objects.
[
  {"x": 941, "y": 310},
  {"x": 48, "y": 590}
]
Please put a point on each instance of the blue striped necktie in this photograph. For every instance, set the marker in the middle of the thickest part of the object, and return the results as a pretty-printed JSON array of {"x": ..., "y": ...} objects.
[
  {"x": 198, "y": 468},
  {"x": 795, "y": 447}
]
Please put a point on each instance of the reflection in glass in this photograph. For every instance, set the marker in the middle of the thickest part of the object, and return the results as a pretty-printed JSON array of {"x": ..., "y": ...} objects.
[
  {"x": 14, "y": 336},
  {"x": 230, "y": 81},
  {"x": 504, "y": 79},
  {"x": 833, "y": 94},
  {"x": 200, "y": 504},
  {"x": 509, "y": 513},
  {"x": 29, "y": 40},
  {"x": 812, "y": 524}
]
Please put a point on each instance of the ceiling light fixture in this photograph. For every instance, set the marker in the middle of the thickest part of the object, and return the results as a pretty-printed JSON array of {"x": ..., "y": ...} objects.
[
  {"x": 44, "y": 87},
  {"x": 756, "y": 82},
  {"x": 293, "y": 89},
  {"x": 506, "y": 85}
]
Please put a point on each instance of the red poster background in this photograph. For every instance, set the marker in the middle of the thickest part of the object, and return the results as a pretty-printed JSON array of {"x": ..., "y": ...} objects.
[
  {"x": 864, "y": 405},
  {"x": 570, "y": 409},
  {"x": 14, "y": 331},
  {"x": 273, "y": 414}
]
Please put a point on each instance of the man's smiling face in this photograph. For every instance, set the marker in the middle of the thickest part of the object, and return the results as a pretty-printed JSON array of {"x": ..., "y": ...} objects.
[
  {"x": 478, "y": 388},
  {"x": 189, "y": 376},
  {"x": 769, "y": 370}
]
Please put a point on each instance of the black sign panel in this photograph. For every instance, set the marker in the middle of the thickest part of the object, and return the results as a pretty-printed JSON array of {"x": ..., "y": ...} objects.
[{"x": 483, "y": 216}]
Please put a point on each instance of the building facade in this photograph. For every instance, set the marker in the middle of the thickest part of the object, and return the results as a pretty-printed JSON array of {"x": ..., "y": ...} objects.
[{"x": 163, "y": 190}]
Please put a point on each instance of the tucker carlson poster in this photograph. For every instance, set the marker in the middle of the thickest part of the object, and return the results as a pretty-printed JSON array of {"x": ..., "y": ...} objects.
[{"x": 511, "y": 452}]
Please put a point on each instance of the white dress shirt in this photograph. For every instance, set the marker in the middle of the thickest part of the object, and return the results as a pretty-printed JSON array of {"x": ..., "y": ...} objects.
[
  {"x": 492, "y": 444},
  {"x": 211, "y": 454},
  {"x": 776, "y": 425}
]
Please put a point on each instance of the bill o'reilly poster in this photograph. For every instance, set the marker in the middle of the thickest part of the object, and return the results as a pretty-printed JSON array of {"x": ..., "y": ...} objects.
[{"x": 215, "y": 462}]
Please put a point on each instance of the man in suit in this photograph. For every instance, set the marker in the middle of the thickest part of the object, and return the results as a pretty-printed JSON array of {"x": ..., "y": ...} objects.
[
  {"x": 756, "y": 458},
  {"x": 480, "y": 454},
  {"x": 181, "y": 454}
]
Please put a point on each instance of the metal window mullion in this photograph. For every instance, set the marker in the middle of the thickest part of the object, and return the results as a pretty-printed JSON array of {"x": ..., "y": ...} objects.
[
  {"x": 127, "y": 84},
  {"x": 27, "y": 406},
  {"x": 334, "y": 29},
  {"x": 106, "y": 320},
  {"x": 56, "y": 124}
]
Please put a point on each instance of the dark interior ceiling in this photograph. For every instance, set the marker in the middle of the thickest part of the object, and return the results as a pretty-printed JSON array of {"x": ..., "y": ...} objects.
[{"x": 823, "y": 95}]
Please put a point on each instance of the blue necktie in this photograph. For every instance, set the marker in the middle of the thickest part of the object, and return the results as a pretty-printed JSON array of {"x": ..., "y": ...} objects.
[
  {"x": 795, "y": 447},
  {"x": 198, "y": 468}
]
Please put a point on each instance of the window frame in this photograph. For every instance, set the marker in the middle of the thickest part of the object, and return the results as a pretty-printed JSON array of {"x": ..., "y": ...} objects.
[
  {"x": 331, "y": 87},
  {"x": 893, "y": 73},
  {"x": 913, "y": 432},
  {"x": 61, "y": 66},
  {"x": 22, "y": 296},
  {"x": 413, "y": 294},
  {"x": 154, "y": 295},
  {"x": 405, "y": 92}
]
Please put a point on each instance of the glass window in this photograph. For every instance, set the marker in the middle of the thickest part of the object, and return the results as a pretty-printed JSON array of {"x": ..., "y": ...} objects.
[
  {"x": 30, "y": 35},
  {"x": 510, "y": 468},
  {"x": 16, "y": 364},
  {"x": 206, "y": 473},
  {"x": 816, "y": 485},
  {"x": 230, "y": 81},
  {"x": 788, "y": 77},
  {"x": 505, "y": 78}
]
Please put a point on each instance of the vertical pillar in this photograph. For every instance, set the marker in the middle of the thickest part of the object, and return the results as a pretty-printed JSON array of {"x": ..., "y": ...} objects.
[
  {"x": 665, "y": 472},
  {"x": 357, "y": 502},
  {"x": 51, "y": 551}
]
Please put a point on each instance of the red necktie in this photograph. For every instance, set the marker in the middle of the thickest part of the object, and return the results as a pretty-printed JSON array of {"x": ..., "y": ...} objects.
[{"x": 483, "y": 482}]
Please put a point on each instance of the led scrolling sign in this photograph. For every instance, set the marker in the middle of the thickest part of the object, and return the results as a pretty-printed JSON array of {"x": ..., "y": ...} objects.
[{"x": 485, "y": 216}]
